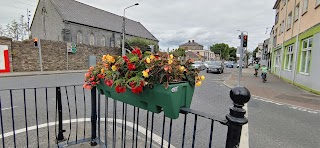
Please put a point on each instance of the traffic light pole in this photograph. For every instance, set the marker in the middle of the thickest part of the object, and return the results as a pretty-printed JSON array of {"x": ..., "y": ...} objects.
[
  {"x": 240, "y": 59},
  {"x": 40, "y": 56}
]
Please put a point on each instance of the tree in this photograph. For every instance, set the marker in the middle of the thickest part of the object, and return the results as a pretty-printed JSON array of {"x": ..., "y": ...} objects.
[
  {"x": 2, "y": 31},
  {"x": 143, "y": 44},
  {"x": 222, "y": 49},
  {"x": 13, "y": 31},
  {"x": 232, "y": 54}
]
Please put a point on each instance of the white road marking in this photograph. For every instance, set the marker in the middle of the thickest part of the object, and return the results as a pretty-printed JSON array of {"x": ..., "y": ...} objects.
[
  {"x": 141, "y": 129},
  {"x": 244, "y": 140},
  {"x": 8, "y": 108}
]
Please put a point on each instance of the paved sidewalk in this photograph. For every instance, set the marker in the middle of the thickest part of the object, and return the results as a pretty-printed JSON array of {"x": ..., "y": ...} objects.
[
  {"x": 275, "y": 89},
  {"x": 18, "y": 74}
]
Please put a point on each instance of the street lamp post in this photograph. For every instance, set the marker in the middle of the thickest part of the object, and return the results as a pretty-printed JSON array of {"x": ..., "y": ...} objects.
[{"x": 124, "y": 27}]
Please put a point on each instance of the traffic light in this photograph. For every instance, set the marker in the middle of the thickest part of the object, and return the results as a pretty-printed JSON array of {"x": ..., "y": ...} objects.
[
  {"x": 245, "y": 41},
  {"x": 35, "y": 42}
]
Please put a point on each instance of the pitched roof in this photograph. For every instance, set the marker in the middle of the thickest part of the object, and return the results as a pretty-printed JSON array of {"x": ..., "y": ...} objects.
[
  {"x": 192, "y": 54},
  {"x": 77, "y": 12},
  {"x": 191, "y": 43}
]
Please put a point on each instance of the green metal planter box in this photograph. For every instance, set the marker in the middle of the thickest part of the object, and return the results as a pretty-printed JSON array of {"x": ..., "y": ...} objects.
[{"x": 158, "y": 98}]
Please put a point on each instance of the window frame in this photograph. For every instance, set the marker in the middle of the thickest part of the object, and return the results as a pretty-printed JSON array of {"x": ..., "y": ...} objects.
[
  {"x": 308, "y": 50},
  {"x": 288, "y": 58}
]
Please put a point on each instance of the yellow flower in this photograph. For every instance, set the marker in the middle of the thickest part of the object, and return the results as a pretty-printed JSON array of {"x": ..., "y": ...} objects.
[
  {"x": 171, "y": 56},
  {"x": 145, "y": 74},
  {"x": 109, "y": 59},
  {"x": 102, "y": 70},
  {"x": 198, "y": 83},
  {"x": 148, "y": 60},
  {"x": 104, "y": 58},
  {"x": 152, "y": 57},
  {"x": 114, "y": 68},
  {"x": 170, "y": 61},
  {"x": 202, "y": 78},
  {"x": 182, "y": 68}
]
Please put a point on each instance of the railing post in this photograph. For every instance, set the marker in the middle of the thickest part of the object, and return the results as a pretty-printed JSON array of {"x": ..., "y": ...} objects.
[
  {"x": 59, "y": 104},
  {"x": 93, "y": 116},
  {"x": 239, "y": 95}
]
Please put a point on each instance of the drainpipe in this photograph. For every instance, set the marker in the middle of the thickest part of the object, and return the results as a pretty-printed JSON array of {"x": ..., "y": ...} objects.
[{"x": 297, "y": 46}]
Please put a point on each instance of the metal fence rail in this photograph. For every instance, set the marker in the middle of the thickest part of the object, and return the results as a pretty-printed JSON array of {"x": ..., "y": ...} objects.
[{"x": 68, "y": 115}]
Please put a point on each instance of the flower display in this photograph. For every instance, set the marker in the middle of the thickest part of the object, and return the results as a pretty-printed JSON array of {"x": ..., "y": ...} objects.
[{"x": 138, "y": 70}]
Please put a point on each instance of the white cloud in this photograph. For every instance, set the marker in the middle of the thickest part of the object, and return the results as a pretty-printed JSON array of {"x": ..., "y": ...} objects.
[{"x": 176, "y": 22}]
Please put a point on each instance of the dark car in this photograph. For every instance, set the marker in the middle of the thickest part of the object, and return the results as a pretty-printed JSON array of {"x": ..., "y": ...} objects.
[
  {"x": 215, "y": 66},
  {"x": 230, "y": 64}
]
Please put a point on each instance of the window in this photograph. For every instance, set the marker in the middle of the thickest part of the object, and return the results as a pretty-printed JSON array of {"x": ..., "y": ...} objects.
[
  {"x": 103, "y": 40},
  {"x": 297, "y": 12},
  {"x": 305, "y": 6},
  {"x": 278, "y": 55},
  {"x": 280, "y": 29},
  {"x": 289, "y": 58},
  {"x": 119, "y": 42},
  {"x": 306, "y": 56},
  {"x": 91, "y": 41},
  {"x": 277, "y": 18},
  {"x": 317, "y": 3},
  {"x": 289, "y": 20},
  {"x": 79, "y": 37}
]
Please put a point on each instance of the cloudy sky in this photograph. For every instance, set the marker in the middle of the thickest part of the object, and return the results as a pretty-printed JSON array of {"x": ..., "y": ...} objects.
[{"x": 174, "y": 22}]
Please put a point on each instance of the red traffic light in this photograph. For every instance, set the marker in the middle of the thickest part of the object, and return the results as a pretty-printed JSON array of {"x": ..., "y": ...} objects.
[{"x": 245, "y": 37}]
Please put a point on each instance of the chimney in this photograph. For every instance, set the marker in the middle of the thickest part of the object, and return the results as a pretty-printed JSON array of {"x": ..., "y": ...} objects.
[
  {"x": 189, "y": 41},
  {"x": 192, "y": 41}
]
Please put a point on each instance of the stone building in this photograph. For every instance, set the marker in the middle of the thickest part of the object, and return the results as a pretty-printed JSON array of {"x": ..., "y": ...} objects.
[
  {"x": 197, "y": 49},
  {"x": 191, "y": 45},
  {"x": 69, "y": 20}
]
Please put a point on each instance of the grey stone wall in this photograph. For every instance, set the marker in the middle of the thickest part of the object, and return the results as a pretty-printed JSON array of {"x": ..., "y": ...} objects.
[
  {"x": 51, "y": 28},
  {"x": 25, "y": 57}
]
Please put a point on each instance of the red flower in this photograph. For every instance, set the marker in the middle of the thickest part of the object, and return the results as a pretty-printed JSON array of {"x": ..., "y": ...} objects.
[
  {"x": 132, "y": 84},
  {"x": 137, "y": 51},
  {"x": 120, "y": 89},
  {"x": 131, "y": 66},
  {"x": 101, "y": 76},
  {"x": 92, "y": 79},
  {"x": 125, "y": 58},
  {"x": 137, "y": 90},
  {"x": 142, "y": 83},
  {"x": 93, "y": 83},
  {"x": 108, "y": 82},
  {"x": 87, "y": 86}
]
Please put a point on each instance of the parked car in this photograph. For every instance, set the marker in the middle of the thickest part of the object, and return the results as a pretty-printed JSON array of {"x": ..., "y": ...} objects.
[
  {"x": 215, "y": 66},
  {"x": 242, "y": 65},
  {"x": 198, "y": 65},
  {"x": 206, "y": 63},
  {"x": 230, "y": 64}
]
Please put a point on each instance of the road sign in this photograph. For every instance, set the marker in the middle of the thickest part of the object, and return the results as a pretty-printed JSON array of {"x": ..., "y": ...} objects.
[{"x": 71, "y": 47}]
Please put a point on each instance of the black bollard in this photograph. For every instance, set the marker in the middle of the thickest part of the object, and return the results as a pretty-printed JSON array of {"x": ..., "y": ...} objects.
[
  {"x": 93, "y": 116},
  {"x": 236, "y": 119}
]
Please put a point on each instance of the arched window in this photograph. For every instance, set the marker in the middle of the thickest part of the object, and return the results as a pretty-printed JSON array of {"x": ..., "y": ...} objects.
[
  {"x": 79, "y": 37},
  {"x": 91, "y": 41},
  {"x": 119, "y": 42},
  {"x": 103, "y": 40}
]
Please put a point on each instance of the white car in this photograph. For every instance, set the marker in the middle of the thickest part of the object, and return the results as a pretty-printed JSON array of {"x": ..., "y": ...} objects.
[{"x": 198, "y": 65}]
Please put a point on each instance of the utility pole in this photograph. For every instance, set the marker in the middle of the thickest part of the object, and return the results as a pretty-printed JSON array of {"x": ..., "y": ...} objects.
[
  {"x": 28, "y": 27},
  {"x": 21, "y": 27},
  {"x": 241, "y": 58}
]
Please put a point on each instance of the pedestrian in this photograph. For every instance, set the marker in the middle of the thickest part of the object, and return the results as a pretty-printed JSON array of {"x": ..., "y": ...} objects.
[
  {"x": 256, "y": 68},
  {"x": 264, "y": 70}
]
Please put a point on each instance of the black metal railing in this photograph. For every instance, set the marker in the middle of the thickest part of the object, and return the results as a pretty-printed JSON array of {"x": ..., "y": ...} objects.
[{"x": 69, "y": 115}]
